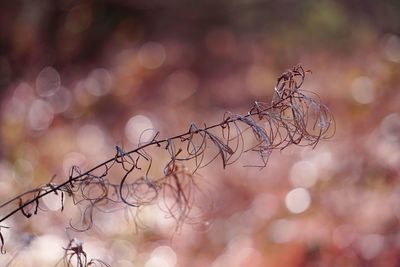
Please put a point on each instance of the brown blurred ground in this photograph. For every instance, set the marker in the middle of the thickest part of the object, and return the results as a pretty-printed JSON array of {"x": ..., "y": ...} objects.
[{"x": 77, "y": 78}]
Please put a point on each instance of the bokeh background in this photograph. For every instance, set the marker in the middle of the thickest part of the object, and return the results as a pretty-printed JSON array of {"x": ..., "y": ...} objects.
[{"x": 79, "y": 77}]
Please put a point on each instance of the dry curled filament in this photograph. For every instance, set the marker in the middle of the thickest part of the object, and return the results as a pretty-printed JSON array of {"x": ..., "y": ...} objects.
[
  {"x": 75, "y": 256},
  {"x": 128, "y": 180}
]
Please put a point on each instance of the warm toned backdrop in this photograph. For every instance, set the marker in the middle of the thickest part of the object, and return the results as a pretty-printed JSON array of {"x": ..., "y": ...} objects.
[{"x": 78, "y": 78}]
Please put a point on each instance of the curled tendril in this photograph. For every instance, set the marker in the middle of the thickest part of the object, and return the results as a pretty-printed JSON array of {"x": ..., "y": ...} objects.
[
  {"x": 293, "y": 117},
  {"x": 2, "y": 250}
]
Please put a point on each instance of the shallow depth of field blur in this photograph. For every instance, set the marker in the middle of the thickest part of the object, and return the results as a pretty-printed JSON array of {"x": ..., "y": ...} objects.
[{"x": 79, "y": 77}]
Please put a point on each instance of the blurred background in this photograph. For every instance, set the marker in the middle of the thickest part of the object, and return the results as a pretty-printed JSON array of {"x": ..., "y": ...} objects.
[{"x": 79, "y": 77}]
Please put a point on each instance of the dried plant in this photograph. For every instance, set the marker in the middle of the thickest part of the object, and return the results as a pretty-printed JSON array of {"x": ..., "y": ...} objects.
[
  {"x": 293, "y": 117},
  {"x": 75, "y": 256}
]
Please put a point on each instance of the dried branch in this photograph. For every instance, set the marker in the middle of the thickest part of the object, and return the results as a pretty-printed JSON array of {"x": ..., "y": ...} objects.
[{"x": 294, "y": 117}]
